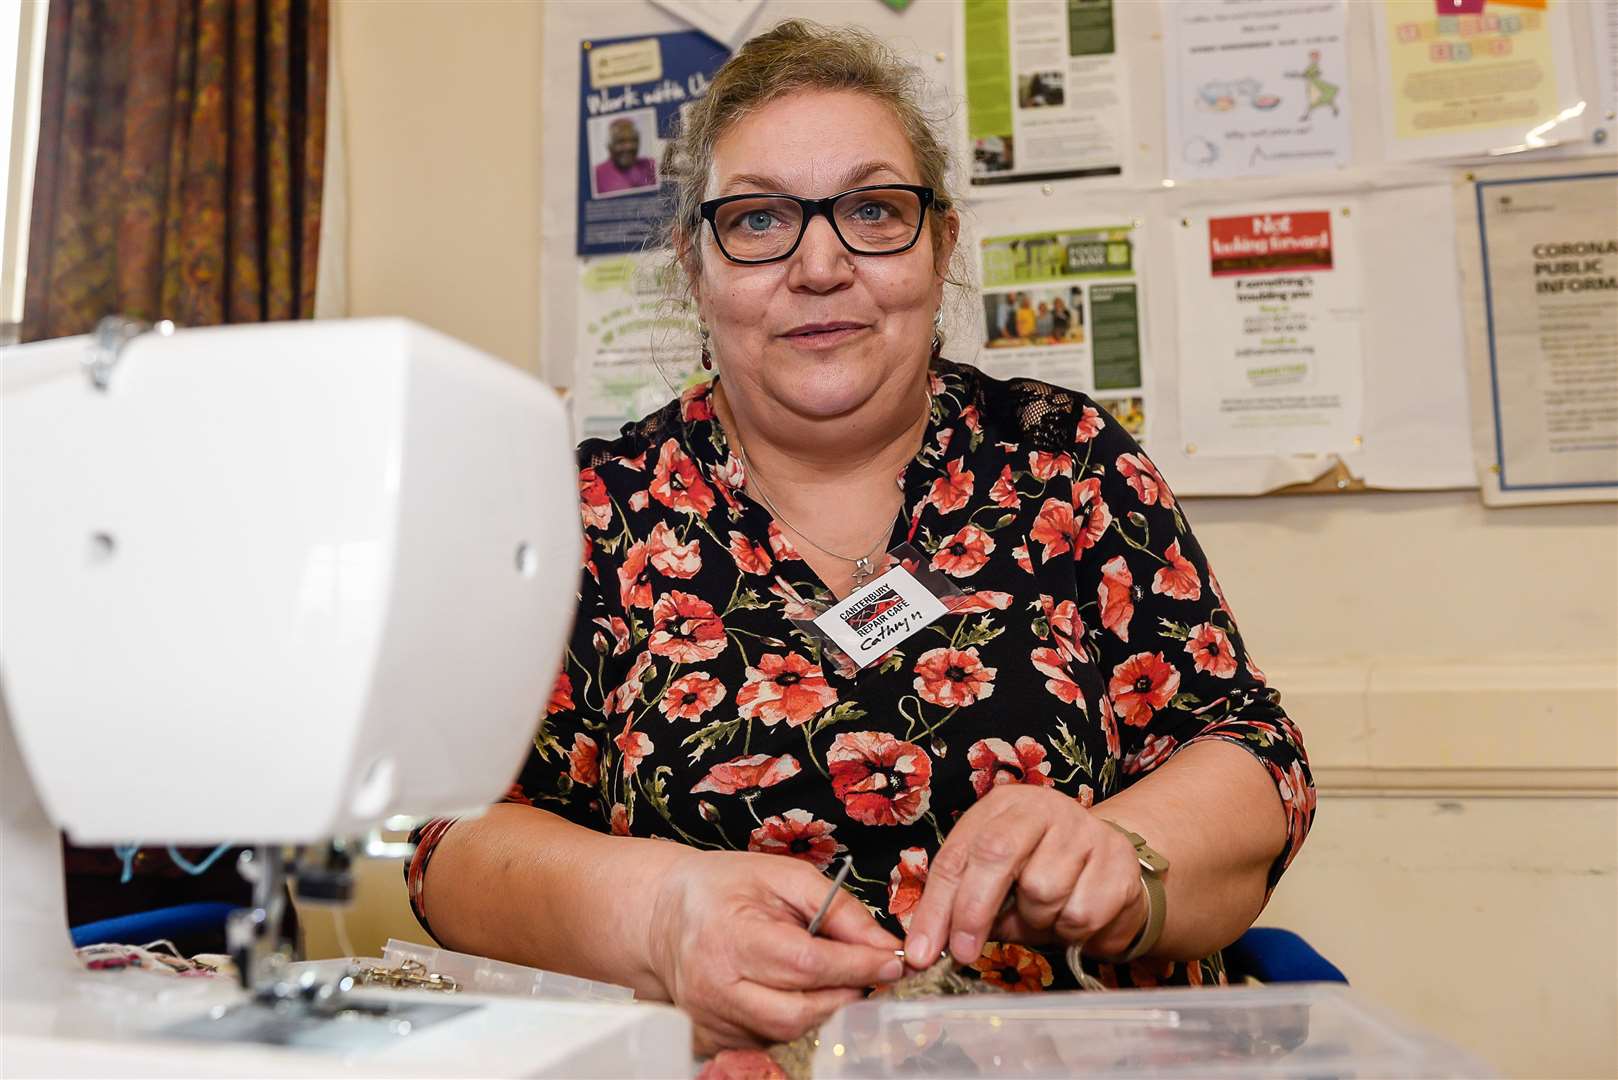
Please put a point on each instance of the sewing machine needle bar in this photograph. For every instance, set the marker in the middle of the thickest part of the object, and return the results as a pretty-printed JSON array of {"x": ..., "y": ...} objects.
[{"x": 825, "y": 905}]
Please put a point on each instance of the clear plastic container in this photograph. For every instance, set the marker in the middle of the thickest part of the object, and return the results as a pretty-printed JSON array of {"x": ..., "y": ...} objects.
[
  {"x": 1299, "y": 1030},
  {"x": 480, "y": 975}
]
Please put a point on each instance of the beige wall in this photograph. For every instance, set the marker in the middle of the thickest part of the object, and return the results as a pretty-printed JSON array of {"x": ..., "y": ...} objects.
[
  {"x": 1455, "y": 669},
  {"x": 442, "y": 111},
  {"x": 443, "y": 147}
]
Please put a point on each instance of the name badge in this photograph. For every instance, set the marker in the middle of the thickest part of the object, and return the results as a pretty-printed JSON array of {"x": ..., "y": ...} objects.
[{"x": 874, "y": 618}]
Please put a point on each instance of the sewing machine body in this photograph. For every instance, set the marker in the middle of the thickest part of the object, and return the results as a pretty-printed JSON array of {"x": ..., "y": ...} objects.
[
  {"x": 134, "y": 1024},
  {"x": 274, "y": 585},
  {"x": 279, "y": 582}
]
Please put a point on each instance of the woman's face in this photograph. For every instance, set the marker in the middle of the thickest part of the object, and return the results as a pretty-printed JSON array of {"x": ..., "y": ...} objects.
[{"x": 822, "y": 332}]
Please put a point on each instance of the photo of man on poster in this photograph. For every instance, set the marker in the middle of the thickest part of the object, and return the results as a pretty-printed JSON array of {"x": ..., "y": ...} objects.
[{"x": 624, "y": 169}]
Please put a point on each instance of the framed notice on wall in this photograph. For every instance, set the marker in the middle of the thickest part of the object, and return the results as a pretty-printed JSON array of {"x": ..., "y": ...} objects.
[{"x": 1539, "y": 248}]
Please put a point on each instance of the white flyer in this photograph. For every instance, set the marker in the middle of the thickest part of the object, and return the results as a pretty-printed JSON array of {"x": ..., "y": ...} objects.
[
  {"x": 723, "y": 20},
  {"x": 1256, "y": 87},
  {"x": 636, "y": 347},
  {"x": 1045, "y": 90},
  {"x": 1271, "y": 302}
]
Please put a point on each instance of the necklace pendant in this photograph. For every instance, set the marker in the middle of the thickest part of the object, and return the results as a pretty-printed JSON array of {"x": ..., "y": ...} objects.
[{"x": 862, "y": 569}]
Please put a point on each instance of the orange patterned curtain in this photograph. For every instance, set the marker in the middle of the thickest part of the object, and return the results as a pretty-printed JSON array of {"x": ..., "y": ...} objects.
[{"x": 180, "y": 163}]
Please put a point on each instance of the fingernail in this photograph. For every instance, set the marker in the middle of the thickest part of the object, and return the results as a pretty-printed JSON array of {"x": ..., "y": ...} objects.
[
  {"x": 891, "y": 970},
  {"x": 964, "y": 946},
  {"x": 919, "y": 950}
]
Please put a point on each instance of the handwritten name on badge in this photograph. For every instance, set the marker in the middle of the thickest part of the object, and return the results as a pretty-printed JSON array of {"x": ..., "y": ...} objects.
[{"x": 871, "y": 620}]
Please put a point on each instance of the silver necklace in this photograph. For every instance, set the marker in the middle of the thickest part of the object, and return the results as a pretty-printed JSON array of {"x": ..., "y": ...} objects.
[{"x": 864, "y": 566}]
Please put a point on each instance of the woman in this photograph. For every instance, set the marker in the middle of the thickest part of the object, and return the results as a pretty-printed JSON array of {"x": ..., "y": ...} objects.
[
  {"x": 1088, "y": 679},
  {"x": 1043, "y": 323},
  {"x": 1027, "y": 321},
  {"x": 1061, "y": 321}
]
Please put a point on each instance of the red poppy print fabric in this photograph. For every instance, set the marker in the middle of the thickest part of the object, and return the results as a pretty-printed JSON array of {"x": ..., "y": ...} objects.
[{"x": 1090, "y": 643}]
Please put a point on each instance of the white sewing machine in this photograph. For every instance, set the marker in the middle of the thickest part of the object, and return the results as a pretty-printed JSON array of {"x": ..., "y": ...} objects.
[{"x": 274, "y": 585}]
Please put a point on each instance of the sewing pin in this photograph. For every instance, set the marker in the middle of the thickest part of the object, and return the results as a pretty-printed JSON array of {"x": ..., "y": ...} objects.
[{"x": 836, "y": 883}]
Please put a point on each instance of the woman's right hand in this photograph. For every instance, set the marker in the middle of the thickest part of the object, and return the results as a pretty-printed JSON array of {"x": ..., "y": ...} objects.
[{"x": 729, "y": 941}]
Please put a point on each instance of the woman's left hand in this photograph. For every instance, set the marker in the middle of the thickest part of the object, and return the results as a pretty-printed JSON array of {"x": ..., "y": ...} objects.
[{"x": 1076, "y": 880}]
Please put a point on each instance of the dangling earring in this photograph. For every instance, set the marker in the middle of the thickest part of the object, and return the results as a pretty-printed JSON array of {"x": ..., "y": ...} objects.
[
  {"x": 938, "y": 333},
  {"x": 707, "y": 356}
]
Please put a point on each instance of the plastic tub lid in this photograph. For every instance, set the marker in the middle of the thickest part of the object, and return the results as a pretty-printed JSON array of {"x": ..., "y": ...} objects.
[{"x": 1297, "y": 1030}]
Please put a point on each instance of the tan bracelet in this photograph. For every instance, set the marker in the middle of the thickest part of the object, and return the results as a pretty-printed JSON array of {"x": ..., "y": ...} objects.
[
  {"x": 1152, "y": 929},
  {"x": 1151, "y": 881}
]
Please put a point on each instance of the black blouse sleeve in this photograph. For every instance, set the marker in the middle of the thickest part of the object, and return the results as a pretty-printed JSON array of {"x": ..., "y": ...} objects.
[{"x": 1175, "y": 668}]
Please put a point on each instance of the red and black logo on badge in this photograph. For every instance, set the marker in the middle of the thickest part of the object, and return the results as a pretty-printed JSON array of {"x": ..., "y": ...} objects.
[{"x": 864, "y": 618}]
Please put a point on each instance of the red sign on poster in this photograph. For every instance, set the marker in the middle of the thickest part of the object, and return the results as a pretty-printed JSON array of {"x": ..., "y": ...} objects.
[{"x": 1270, "y": 243}]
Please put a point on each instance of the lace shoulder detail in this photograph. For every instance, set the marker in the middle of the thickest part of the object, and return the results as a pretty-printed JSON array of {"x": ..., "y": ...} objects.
[
  {"x": 634, "y": 438},
  {"x": 1045, "y": 416},
  {"x": 594, "y": 453}
]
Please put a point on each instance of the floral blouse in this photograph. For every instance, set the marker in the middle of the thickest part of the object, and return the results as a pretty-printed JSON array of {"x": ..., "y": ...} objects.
[{"x": 1089, "y": 642}]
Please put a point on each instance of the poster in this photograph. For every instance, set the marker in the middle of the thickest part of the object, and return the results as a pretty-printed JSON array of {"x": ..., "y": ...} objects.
[
  {"x": 1539, "y": 250},
  {"x": 1064, "y": 306},
  {"x": 1497, "y": 76},
  {"x": 1044, "y": 90},
  {"x": 1270, "y": 318},
  {"x": 1256, "y": 87},
  {"x": 725, "y": 21},
  {"x": 630, "y": 97},
  {"x": 1603, "y": 30},
  {"x": 636, "y": 347}
]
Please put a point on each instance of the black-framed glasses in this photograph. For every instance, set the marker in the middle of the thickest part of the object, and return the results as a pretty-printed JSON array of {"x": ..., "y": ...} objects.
[{"x": 883, "y": 219}]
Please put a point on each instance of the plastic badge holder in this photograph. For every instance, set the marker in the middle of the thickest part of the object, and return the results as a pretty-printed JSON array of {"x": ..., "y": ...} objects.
[
  {"x": 481, "y": 975},
  {"x": 1301, "y": 1030}
]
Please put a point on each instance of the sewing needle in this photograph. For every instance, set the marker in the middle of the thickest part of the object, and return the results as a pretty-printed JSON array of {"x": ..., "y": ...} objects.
[{"x": 836, "y": 883}]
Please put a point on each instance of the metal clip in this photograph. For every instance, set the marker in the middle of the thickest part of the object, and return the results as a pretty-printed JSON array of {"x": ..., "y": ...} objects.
[
  {"x": 409, "y": 975},
  {"x": 108, "y": 341}
]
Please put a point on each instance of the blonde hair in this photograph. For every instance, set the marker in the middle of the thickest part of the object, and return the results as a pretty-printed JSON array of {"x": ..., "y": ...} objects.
[{"x": 796, "y": 55}]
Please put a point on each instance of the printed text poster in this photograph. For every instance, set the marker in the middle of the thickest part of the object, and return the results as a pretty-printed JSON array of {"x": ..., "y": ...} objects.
[
  {"x": 725, "y": 21},
  {"x": 1603, "y": 31},
  {"x": 1270, "y": 315},
  {"x": 630, "y": 96},
  {"x": 1044, "y": 90},
  {"x": 1064, "y": 306},
  {"x": 1545, "y": 334},
  {"x": 1495, "y": 77},
  {"x": 1256, "y": 87},
  {"x": 636, "y": 348}
]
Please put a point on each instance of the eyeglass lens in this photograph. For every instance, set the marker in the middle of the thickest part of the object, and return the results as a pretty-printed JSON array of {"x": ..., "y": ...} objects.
[{"x": 869, "y": 222}]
